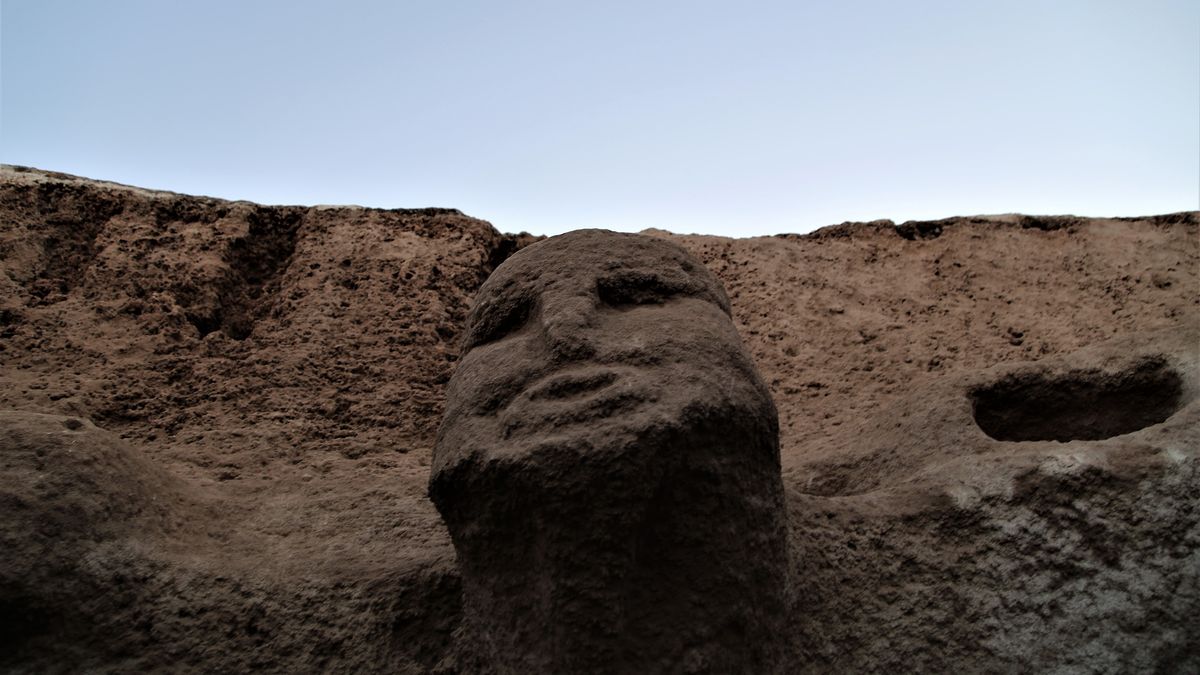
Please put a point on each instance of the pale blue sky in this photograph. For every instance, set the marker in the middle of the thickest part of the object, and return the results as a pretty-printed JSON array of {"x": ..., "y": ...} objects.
[{"x": 737, "y": 118}]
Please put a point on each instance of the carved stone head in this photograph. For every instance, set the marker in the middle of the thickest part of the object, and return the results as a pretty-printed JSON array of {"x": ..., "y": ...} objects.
[
  {"x": 588, "y": 340},
  {"x": 608, "y": 463}
]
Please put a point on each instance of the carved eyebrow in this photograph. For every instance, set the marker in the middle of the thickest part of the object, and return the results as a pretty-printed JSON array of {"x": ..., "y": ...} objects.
[
  {"x": 639, "y": 287},
  {"x": 495, "y": 318}
]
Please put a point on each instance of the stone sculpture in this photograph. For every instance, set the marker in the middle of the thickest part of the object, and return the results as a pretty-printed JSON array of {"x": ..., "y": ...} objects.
[{"x": 608, "y": 468}]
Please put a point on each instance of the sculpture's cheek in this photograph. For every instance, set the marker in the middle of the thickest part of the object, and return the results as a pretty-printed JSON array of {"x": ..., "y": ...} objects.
[{"x": 489, "y": 377}]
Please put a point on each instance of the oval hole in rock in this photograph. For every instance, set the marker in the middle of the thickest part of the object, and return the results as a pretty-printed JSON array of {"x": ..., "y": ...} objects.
[{"x": 1083, "y": 405}]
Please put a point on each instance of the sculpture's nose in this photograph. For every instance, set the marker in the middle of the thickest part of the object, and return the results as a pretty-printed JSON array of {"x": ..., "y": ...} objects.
[{"x": 568, "y": 326}]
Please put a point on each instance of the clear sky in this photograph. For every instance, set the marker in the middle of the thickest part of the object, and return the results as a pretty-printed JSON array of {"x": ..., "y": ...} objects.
[{"x": 737, "y": 118}]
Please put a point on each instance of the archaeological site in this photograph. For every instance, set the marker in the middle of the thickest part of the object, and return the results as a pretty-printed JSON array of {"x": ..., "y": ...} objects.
[{"x": 294, "y": 439}]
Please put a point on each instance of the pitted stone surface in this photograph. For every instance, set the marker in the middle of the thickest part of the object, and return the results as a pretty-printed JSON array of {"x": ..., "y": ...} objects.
[{"x": 286, "y": 377}]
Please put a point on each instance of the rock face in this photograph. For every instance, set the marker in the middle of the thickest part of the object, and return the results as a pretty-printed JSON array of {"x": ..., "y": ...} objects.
[
  {"x": 1063, "y": 552},
  {"x": 988, "y": 434},
  {"x": 608, "y": 469},
  {"x": 75, "y": 498},
  {"x": 284, "y": 364}
]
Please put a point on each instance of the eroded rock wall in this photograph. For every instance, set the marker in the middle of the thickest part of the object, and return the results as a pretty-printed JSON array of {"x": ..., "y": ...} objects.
[{"x": 283, "y": 368}]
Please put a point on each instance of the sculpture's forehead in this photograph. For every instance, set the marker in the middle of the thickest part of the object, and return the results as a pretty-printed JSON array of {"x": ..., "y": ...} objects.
[{"x": 586, "y": 255}]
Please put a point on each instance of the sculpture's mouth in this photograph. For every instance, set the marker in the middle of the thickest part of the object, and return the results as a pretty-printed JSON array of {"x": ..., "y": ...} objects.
[
  {"x": 579, "y": 383},
  {"x": 584, "y": 394}
]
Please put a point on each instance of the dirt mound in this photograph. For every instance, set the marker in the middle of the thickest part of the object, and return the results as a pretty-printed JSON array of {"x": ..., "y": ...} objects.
[{"x": 265, "y": 384}]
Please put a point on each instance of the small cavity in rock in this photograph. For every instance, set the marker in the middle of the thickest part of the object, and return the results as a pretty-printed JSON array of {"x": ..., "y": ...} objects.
[{"x": 1085, "y": 405}]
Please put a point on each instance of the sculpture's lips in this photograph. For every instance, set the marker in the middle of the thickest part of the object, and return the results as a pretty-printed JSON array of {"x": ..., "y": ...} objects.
[
  {"x": 580, "y": 395},
  {"x": 572, "y": 385}
]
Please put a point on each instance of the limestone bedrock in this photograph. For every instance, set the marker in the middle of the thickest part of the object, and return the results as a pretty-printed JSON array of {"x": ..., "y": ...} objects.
[{"x": 608, "y": 468}]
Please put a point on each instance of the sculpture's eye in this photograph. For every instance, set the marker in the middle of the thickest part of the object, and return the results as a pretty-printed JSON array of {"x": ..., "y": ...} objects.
[
  {"x": 639, "y": 288},
  {"x": 499, "y": 320}
]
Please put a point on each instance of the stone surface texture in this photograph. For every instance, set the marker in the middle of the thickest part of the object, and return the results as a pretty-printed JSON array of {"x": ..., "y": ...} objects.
[
  {"x": 608, "y": 468},
  {"x": 220, "y": 422}
]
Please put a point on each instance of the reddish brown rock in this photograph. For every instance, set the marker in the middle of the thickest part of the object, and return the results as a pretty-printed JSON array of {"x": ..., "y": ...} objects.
[
  {"x": 283, "y": 369},
  {"x": 74, "y": 499}
]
